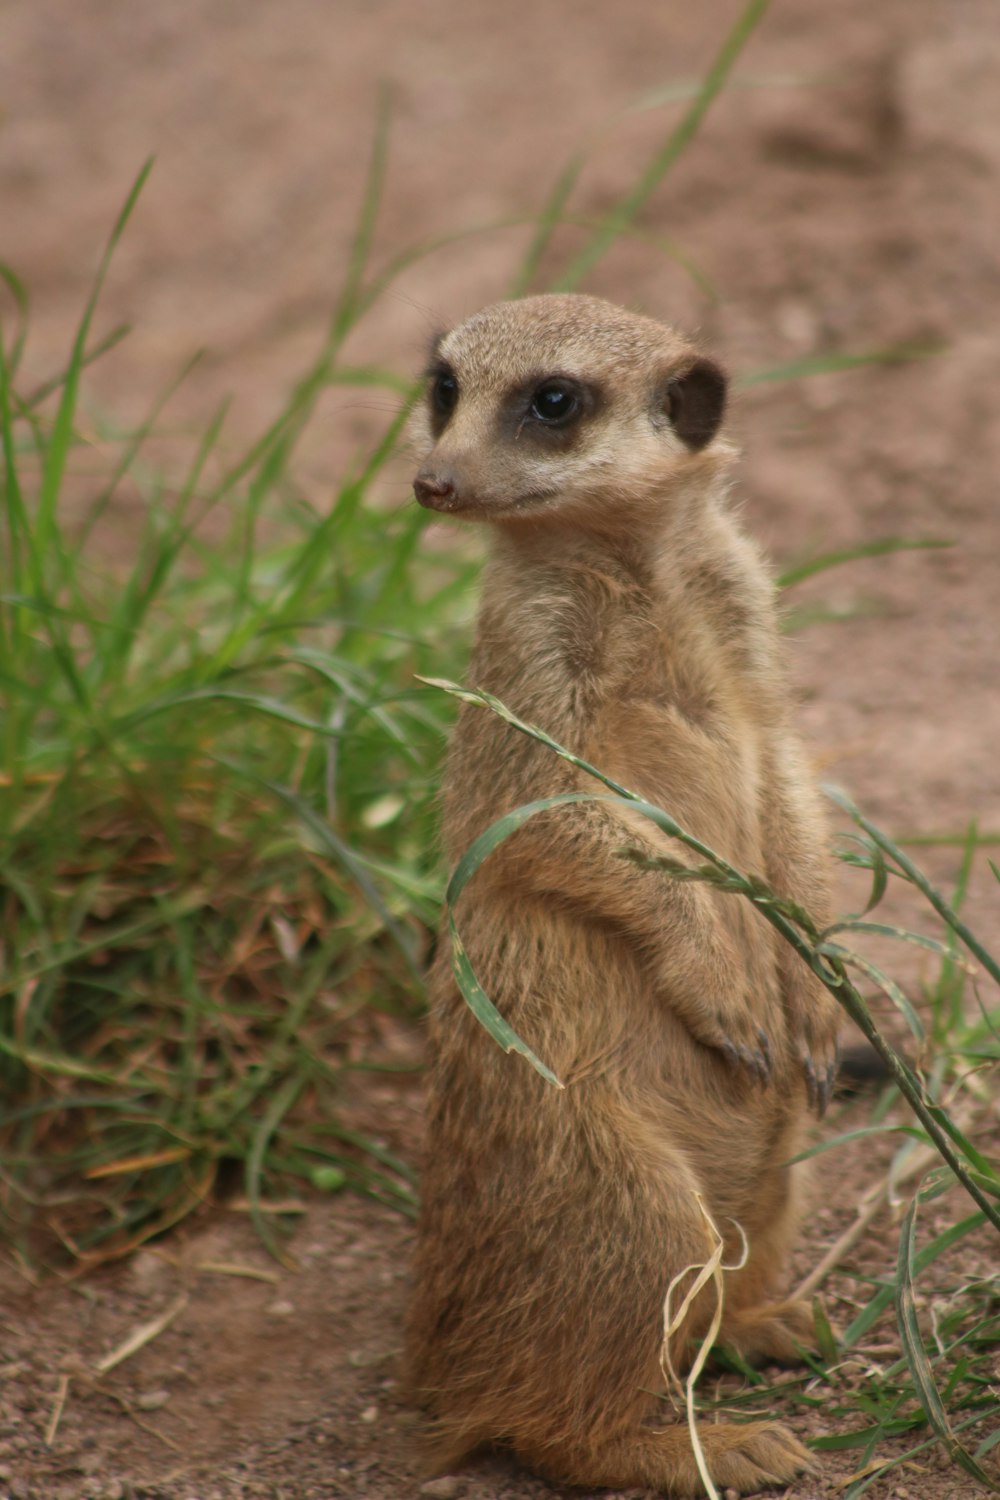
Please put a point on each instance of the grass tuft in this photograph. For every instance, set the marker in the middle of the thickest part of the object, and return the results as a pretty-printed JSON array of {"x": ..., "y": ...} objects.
[{"x": 216, "y": 837}]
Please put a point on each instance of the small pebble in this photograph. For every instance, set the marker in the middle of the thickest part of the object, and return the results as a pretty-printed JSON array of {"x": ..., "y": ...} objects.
[
  {"x": 148, "y": 1270},
  {"x": 448, "y": 1487},
  {"x": 280, "y": 1309},
  {"x": 152, "y": 1400},
  {"x": 370, "y": 1414},
  {"x": 363, "y": 1359}
]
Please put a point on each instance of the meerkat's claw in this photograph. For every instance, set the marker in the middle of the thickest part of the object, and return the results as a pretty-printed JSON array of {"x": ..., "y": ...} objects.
[
  {"x": 755, "y": 1060},
  {"x": 819, "y": 1088},
  {"x": 730, "y": 1053},
  {"x": 758, "y": 1060}
]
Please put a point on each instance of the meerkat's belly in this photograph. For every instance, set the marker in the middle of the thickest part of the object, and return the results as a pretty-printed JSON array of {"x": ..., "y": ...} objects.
[{"x": 580, "y": 996}]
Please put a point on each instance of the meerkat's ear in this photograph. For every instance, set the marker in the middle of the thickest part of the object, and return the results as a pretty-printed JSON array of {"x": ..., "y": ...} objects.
[{"x": 695, "y": 401}]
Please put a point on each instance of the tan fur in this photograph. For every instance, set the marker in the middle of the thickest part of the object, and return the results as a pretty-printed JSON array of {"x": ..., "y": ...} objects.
[{"x": 625, "y": 612}]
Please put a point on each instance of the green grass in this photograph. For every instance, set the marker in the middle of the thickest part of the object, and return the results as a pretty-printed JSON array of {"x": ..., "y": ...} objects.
[
  {"x": 217, "y": 830},
  {"x": 216, "y": 826}
]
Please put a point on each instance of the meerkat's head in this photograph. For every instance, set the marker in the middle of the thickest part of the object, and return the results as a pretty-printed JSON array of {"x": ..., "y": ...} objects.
[{"x": 566, "y": 408}]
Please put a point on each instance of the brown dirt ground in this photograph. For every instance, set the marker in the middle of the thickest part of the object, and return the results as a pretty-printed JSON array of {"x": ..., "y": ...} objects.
[{"x": 847, "y": 201}]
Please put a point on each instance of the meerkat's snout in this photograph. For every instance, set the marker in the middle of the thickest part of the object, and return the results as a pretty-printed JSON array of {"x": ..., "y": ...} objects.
[{"x": 434, "y": 490}]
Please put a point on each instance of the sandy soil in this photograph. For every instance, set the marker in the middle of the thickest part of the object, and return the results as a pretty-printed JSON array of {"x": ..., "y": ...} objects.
[{"x": 846, "y": 197}]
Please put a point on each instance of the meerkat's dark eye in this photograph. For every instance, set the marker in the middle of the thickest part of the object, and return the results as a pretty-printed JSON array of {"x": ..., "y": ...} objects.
[
  {"x": 556, "y": 403},
  {"x": 444, "y": 393}
]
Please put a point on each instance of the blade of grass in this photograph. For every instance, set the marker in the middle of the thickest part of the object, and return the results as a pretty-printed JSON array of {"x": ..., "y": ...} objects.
[
  {"x": 479, "y": 1002},
  {"x": 871, "y": 858},
  {"x": 919, "y": 879},
  {"x": 282, "y": 1102},
  {"x": 19, "y": 541},
  {"x": 888, "y": 986},
  {"x": 126, "y": 462},
  {"x": 549, "y": 218},
  {"x": 88, "y": 357},
  {"x": 631, "y": 204},
  {"x": 832, "y": 363},
  {"x": 19, "y": 293},
  {"x": 553, "y": 212},
  {"x": 62, "y": 430},
  {"x": 916, "y": 1358},
  {"x": 346, "y": 310},
  {"x": 880, "y": 548},
  {"x": 342, "y": 854},
  {"x": 883, "y": 1298}
]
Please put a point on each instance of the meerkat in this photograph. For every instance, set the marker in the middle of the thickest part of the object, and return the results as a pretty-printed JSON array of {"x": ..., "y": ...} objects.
[{"x": 625, "y": 612}]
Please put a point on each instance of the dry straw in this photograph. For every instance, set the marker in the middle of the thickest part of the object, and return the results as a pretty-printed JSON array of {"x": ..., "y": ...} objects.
[{"x": 711, "y": 1271}]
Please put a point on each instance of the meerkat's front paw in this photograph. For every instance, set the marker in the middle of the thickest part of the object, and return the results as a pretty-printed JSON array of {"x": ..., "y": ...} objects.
[
  {"x": 735, "y": 1034},
  {"x": 713, "y": 1001}
]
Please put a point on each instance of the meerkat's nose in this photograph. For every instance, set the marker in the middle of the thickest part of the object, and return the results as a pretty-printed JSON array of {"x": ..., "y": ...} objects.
[{"x": 435, "y": 491}]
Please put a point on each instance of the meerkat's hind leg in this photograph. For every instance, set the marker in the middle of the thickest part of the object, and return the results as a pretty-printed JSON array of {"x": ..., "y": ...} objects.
[
  {"x": 745, "y": 1457},
  {"x": 771, "y": 1332}
]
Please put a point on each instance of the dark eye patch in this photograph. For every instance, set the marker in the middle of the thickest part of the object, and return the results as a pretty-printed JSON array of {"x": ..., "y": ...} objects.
[
  {"x": 548, "y": 408},
  {"x": 442, "y": 393}
]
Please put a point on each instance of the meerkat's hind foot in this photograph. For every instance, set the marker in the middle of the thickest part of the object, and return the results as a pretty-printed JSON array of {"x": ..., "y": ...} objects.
[
  {"x": 746, "y": 1457},
  {"x": 771, "y": 1333}
]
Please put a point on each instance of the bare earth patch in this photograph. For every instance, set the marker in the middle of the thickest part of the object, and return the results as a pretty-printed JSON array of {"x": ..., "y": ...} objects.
[
  {"x": 846, "y": 198},
  {"x": 270, "y": 1384}
]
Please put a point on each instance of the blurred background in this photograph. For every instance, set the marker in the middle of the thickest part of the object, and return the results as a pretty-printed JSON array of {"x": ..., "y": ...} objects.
[{"x": 841, "y": 197}]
